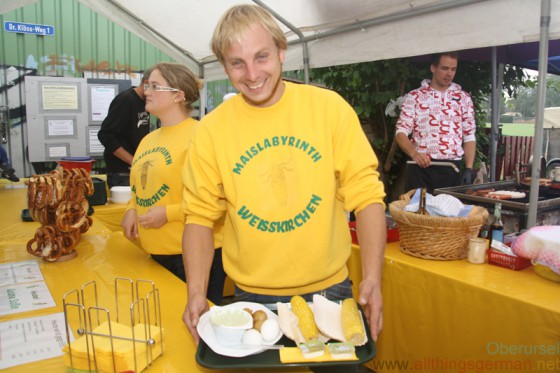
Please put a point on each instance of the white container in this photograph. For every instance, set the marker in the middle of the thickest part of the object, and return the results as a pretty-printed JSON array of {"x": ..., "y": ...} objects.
[
  {"x": 120, "y": 194},
  {"x": 230, "y": 324},
  {"x": 477, "y": 250}
]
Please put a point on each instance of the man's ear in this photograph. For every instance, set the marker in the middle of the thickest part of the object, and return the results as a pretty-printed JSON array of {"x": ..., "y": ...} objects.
[{"x": 282, "y": 55}]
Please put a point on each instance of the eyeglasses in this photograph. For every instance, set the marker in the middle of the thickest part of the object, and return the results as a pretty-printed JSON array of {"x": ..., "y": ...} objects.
[{"x": 158, "y": 88}]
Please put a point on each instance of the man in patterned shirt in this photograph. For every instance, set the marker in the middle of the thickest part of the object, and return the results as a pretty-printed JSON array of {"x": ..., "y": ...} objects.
[{"x": 439, "y": 119}]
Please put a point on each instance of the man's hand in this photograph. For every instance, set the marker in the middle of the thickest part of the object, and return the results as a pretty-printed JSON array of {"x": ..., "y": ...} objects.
[
  {"x": 196, "y": 307},
  {"x": 422, "y": 159},
  {"x": 467, "y": 176},
  {"x": 372, "y": 304},
  {"x": 198, "y": 254},
  {"x": 372, "y": 235}
]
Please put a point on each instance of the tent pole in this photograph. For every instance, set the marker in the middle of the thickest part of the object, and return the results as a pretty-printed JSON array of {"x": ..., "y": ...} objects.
[
  {"x": 203, "y": 101},
  {"x": 539, "y": 113},
  {"x": 297, "y": 32},
  {"x": 497, "y": 109},
  {"x": 494, "y": 117}
]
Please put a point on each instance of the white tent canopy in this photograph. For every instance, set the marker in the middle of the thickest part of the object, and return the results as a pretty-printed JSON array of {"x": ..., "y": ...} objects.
[
  {"x": 8, "y": 5},
  {"x": 331, "y": 32},
  {"x": 336, "y": 32}
]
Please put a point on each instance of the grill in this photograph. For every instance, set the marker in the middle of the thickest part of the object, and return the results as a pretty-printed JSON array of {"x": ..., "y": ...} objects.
[{"x": 515, "y": 212}]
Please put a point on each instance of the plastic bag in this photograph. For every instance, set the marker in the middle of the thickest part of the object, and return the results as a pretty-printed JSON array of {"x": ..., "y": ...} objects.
[{"x": 541, "y": 245}]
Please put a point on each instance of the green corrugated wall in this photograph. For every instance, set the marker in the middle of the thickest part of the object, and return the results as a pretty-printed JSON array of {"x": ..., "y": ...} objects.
[{"x": 83, "y": 41}]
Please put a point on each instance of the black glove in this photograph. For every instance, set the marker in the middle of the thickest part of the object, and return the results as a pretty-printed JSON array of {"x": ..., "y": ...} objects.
[{"x": 467, "y": 176}]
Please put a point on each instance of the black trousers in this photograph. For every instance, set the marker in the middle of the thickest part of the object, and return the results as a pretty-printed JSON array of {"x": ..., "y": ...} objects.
[
  {"x": 174, "y": 264},
  {"x": 118, "y": 179},
  {"x": 432, "y": 177}
]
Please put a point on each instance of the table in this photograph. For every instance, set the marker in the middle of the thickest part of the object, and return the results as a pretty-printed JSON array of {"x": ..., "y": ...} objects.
[
  {"x": 437, "y": 315},
  {"x": 444, "y": 316},
  {"x": 110, "y": 215},
  {"x": 103, "y": 254}
]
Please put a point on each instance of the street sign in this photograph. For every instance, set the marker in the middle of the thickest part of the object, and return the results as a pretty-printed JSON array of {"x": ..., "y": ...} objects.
[{"x": 28, "y": 28}]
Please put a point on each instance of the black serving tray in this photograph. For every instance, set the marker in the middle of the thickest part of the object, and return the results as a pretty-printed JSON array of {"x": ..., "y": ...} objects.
[{"x": 271, "y": 358}]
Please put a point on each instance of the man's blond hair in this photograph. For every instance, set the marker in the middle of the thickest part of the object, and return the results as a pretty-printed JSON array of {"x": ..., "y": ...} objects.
[{"x": 237, "y": 21}]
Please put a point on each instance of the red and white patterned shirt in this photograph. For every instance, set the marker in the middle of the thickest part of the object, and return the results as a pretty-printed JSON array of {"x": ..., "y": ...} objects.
[{"x": 440, "y": 122}]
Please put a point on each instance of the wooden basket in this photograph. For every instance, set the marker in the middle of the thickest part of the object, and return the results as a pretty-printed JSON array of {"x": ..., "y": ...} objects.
[{"x": 435, "y": 237}]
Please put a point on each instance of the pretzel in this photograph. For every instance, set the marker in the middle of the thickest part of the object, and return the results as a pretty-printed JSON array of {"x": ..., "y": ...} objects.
[
  {"x": 70, "y": 241},
  {"x": 50, "y": 244},
  {"x": 87, "y": 223},
  {"x": 57, "y": 201},
  {"x": 43, "y": 190},
  {"x": 43, "y": 215},
  {"x": 70, "y": 216},
  {"x": 76, "y": 182}
]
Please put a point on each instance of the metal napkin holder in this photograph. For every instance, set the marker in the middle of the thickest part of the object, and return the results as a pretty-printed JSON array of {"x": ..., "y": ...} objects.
[{"x": 144, "y": 309}]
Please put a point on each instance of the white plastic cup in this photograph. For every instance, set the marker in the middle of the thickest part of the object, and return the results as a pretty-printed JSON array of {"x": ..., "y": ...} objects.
[{"x": 477, "y": 250}]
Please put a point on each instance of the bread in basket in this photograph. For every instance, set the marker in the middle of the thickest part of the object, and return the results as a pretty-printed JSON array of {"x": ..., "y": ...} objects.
[{"x": 435, "y": 237}]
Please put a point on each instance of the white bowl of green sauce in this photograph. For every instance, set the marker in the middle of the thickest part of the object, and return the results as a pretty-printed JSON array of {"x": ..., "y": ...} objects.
[{"x": 230, "y": 324}]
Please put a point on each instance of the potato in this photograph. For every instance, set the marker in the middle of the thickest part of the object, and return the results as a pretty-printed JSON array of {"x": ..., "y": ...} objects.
[
  {"x": 257, "y": 324},
  {"x": 259, "y": 315}
]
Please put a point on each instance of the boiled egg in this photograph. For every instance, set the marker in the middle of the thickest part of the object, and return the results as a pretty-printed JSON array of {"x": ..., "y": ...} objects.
[
  {"x": 270, "y": 330},
  {"x": 252, "y": 337}
]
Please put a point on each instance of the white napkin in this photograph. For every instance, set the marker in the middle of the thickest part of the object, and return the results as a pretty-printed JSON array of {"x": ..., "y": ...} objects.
[{"x": 440, "y": 205}]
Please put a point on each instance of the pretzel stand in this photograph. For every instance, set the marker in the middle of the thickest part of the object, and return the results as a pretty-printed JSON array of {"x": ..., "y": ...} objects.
[{"x": 57, "y": 201}]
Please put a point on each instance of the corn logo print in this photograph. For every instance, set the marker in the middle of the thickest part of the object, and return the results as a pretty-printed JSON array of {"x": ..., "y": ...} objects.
[{"x": 275, "y": 171}]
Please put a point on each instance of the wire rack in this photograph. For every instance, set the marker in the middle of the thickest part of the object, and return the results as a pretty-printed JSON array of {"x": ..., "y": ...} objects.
[{"x": 137, "y": 311}]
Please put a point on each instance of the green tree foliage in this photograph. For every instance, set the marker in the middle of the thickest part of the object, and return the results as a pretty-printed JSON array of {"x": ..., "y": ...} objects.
[
  {"x": 370, "y": 86},
  {"x": 524, "y": 100}
]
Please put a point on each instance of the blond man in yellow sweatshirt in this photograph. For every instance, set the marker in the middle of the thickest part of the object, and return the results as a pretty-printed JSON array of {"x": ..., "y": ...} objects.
[{"x": 284, "y": 162}]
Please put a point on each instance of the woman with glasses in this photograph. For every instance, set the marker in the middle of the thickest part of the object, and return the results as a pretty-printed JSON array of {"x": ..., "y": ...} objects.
[{"x": 154, "y": 216}]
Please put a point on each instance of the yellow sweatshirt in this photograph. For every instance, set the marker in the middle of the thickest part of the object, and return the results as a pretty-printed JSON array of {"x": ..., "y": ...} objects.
[
  {"x": 285, "y": 175},
  {"x": 155, "y": 180}
]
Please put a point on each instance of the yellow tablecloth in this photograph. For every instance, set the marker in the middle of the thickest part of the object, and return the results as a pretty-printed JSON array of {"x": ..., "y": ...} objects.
[
  {"x": 110, "y": 215},
  {"x": 446, "y": 316},
  {"x": 102, "y": 255},
  {"x": 454, "y": 316}
]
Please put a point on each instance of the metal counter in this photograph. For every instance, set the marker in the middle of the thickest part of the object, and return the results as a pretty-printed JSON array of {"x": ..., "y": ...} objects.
[{"x": 514, "y": 211}]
